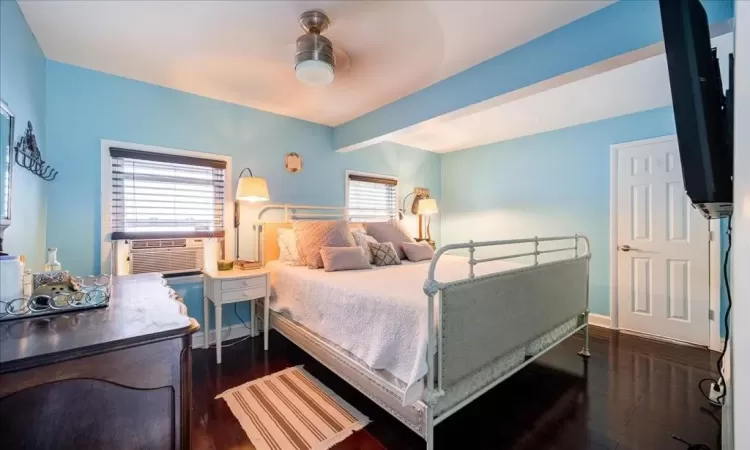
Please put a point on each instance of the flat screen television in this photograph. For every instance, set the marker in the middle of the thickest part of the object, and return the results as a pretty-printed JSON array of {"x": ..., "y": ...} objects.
[{"x": 703, "y": 113}]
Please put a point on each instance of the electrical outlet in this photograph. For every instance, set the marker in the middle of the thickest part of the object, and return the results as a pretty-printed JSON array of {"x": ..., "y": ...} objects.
[{"x": 716, "y": 391}]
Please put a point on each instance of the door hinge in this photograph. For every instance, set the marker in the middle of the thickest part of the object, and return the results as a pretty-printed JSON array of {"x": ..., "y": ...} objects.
[
  {"x": 711, "y": 235},
  {"x": 711, "y": 314}
]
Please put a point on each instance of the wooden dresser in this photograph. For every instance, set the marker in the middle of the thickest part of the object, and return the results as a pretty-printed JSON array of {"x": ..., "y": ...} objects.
[{"x": 114, "y": 378}]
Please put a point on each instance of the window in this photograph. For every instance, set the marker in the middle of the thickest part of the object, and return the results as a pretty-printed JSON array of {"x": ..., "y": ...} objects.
[
  {"x": 371, "y": 198},
  {"x": 157, "y": 195}
]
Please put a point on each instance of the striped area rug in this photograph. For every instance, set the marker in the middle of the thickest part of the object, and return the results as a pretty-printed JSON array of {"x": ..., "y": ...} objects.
[{"x": 292, "y": 410}]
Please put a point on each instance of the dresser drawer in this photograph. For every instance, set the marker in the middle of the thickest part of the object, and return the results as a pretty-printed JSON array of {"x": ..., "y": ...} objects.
[
  {"x": 250, "y": 293},
  {"x": 231, "y": 285}
]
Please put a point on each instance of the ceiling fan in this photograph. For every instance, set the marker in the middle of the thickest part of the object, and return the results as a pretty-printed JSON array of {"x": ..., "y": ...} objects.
[{"x": 315, "y": 59}]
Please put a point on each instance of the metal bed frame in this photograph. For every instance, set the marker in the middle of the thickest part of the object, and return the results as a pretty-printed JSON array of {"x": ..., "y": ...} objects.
[{"x": 423, "y": 416}]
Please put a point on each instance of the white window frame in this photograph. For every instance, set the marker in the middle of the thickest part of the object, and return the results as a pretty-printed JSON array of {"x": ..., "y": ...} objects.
[
  {"x": 369, "y": 174},
  {"x": 106, "y": 188}
]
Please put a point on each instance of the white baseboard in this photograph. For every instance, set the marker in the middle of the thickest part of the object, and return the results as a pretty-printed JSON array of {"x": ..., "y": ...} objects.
[
  {"x": 229, "y": 332},
  {"x": 600, "y": 320}
]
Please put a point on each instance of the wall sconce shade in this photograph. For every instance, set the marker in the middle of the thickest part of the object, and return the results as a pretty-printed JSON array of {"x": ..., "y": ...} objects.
[
  {"x": 252, "y": 189},
  {"x": 427, "y": 206}
]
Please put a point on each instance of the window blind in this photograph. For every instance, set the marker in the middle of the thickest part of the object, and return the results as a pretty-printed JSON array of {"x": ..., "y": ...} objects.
[
  {"x": 158, "y": 195},
  {"x": 371, "y": 199}
]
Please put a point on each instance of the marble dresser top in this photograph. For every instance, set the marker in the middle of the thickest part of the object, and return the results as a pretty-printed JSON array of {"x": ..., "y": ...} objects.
[{"x": 140, "y": 310}]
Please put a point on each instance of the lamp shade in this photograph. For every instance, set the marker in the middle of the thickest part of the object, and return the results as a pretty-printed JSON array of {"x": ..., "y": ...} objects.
[
  {"x": 252, "y": 189},
  {"x": 427, "y": 206}
]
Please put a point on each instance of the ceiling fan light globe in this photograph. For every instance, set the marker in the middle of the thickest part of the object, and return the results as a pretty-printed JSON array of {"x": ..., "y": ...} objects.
[{"x": 314, "y": 73}]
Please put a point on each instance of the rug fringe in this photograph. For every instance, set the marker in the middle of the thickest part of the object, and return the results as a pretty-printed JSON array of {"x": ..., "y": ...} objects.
[{"x": 333, "y": 440}]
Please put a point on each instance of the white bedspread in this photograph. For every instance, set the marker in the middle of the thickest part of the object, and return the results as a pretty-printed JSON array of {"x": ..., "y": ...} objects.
[{"x": 378, "y": 315}]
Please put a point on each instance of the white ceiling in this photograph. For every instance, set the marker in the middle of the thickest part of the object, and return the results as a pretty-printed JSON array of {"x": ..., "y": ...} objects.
[
  {"x": 632, "y": 88},
  {"x": 243, "y": 51},
  {"x": 636, "y": 87}
]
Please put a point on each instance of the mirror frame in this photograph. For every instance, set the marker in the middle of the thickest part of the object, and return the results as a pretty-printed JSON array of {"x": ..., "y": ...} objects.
[{"x": 5, "y": 110}]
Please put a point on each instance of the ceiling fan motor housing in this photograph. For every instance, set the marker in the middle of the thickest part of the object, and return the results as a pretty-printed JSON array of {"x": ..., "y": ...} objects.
[{"x": 312, "y": 45}]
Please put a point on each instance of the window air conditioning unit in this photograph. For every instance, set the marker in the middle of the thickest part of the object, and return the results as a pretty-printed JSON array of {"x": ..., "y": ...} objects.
[{"x": 166, "y": 256}]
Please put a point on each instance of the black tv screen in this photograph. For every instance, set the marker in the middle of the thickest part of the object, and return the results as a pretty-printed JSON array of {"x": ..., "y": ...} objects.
[{"x": 702, "y": 111}]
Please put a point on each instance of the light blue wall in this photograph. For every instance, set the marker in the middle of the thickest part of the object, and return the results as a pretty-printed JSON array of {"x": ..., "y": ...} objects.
[
  {"x": 620, "y": 28},
  {"x": 86, "y": 106},
  {"x": 22, "y": 87},
  {"x": 553, "y": 183},
  {"x": 548, "y": 184}
]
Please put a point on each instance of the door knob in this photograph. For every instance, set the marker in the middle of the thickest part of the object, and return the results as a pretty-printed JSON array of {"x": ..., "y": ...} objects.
[{"x": 623, "y": 248}]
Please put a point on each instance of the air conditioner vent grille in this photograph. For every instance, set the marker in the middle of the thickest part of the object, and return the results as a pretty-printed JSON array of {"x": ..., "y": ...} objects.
[
  {"x": 166, "y": 256},
  {"x": 157, "y": 243}
]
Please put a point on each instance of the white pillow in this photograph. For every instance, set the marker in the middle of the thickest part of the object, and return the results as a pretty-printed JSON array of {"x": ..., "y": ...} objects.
[
  {"x": 288, "y": 253},
  {"x": 363, "y": 239}
]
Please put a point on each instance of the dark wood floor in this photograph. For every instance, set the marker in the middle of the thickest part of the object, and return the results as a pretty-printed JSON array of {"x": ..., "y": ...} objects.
[{"x": 633, "y": 394}]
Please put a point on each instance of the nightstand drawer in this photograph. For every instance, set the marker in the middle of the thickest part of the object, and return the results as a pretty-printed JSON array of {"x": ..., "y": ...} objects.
[
  {"x": 244, "y": 283},
  {"x": 250, "y": 293}
]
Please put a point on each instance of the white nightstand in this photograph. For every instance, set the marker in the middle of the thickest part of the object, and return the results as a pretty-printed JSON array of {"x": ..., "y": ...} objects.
[{"x": 234, "y": 286}]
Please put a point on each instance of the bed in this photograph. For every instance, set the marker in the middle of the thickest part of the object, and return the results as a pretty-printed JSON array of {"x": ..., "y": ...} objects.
[{"x": 422, "y": 340}]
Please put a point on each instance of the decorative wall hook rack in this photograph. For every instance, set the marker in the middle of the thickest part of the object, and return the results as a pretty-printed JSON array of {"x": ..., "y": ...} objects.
[{"x": 29, "y": 157}]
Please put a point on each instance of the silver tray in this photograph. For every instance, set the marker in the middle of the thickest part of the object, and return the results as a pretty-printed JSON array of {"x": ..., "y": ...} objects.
[{"x": 94, "y": 293}]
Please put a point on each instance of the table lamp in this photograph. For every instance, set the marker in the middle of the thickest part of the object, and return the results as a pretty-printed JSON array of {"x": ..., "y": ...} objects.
[
  {"x": 427, "y": 207},
  {"x": 250, "y": 189}
]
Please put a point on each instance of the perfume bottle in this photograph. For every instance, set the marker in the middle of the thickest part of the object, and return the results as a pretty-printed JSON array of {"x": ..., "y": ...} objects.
[{"x": 52, "y": 264}]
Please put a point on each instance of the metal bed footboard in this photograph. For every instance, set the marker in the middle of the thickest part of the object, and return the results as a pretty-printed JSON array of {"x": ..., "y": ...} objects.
[{"x": 482, "y": 318}]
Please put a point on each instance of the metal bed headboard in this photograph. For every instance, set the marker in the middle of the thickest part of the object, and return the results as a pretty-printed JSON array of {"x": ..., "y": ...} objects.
[
  {"x": 306, "y": 212},
  {"x": 303, "y": 212}
]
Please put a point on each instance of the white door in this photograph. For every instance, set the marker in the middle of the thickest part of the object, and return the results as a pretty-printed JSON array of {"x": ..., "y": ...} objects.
[{"x": 662, "y": 255}]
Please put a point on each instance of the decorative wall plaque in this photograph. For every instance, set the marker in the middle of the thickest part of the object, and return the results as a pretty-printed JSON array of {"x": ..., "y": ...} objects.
[{"x": 293, "y": 162}]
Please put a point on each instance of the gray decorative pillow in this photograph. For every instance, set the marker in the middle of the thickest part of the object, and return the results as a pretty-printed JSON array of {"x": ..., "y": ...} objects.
[
  {"x": 384, "y": 254},
  {"x": 312, "y": 235},
  {"x": 363, "y": 240},
  {"x": 419, "y": 251},
  {"x": 390, "y": 231},
  {"x": 344, "y": 258}
]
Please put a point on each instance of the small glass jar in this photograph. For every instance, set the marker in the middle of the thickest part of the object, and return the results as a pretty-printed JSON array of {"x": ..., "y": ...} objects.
[{"x": 52, "y": 264}]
